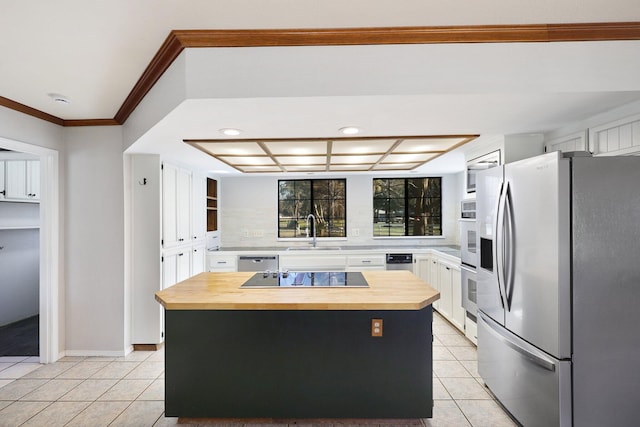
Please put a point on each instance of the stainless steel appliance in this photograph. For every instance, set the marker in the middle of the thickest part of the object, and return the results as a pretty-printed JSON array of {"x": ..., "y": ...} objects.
[
  {"x": 468, "y": 242},
  {"x": 469, "y": 290},
  {"x": 479, "y": 164},
  {"x": 258, "y": 263},
  {"x": 469, "y": 258},
  {"x": 558, "y": 285},
  {"x": 400, "y": 262}
]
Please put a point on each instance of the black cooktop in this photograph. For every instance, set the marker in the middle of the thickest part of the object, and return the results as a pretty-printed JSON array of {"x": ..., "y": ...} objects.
[{"x": 305, "y": 279}]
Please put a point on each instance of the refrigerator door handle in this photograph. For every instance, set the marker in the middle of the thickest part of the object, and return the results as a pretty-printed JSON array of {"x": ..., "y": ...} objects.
[
  {"x": 539, "y": 360},
  {"x": 498, "y": 255},
  {"x": 510, "y": 252}
]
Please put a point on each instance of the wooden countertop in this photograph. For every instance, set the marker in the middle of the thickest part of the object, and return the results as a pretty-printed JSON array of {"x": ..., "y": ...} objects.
[{"x": 388, "y": 290}]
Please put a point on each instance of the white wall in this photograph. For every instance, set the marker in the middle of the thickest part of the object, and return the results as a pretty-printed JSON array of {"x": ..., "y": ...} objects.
[
  {"x": 94, "y": 256},
  {"x": 249, "y": 207}
]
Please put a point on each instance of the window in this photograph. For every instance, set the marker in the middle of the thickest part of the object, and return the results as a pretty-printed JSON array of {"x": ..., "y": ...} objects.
[
  {"x": 326, "y": 199},
  {"x": 407, "y": 207}
]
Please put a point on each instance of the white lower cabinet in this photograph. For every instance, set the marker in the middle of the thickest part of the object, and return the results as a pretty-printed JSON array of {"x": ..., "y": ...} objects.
[
  {"x": 176, "y": 266},
  {"x": 434, "y": 278},
  {"x": 443, "y": 274},
  {"x": 198, "y": 259},
  {"x": 446, "y": 291}
]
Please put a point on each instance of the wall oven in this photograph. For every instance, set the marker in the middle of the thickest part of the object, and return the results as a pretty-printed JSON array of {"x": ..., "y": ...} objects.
[
  {"x": 468, "y": 249},
  {"x": 469, "y": 290}
]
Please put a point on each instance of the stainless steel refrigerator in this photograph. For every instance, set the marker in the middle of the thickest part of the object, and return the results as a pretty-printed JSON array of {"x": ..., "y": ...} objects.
[{"x": 559, "y": 289}]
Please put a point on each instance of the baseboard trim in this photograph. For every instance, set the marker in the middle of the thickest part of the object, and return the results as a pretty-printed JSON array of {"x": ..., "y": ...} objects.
[
  {"x": 147, "y": 347},
  {"x": 318, "y": 421}
]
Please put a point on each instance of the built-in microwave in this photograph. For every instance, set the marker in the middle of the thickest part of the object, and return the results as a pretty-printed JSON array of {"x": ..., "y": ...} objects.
[{"x": 481, "y": 163}]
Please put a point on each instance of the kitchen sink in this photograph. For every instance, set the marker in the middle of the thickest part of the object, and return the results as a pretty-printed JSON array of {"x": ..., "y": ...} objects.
[{"x": 314, "y": 248}]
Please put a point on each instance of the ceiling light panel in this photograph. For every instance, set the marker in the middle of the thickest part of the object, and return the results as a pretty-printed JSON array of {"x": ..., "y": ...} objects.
[
  {"x": 233, "y": 148},
  {"x": 306, "y": 168},
  {"x": 428, "y": 144},
  {"x": 340, "y": 159},
  {"x": 350, "y": 168},
  {"x": 365, "y": 146},
  {"x": 247, "y": 160},
  {"x": 409, "y": 158},
  {"x": 260, "y": 169},
  {"x": 296, "y": 148},
  {"x": 302, "y": 160}
]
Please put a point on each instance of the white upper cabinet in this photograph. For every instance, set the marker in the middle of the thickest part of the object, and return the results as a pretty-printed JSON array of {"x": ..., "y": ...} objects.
[
  {"x": 2, "y": 187},
  {"x": 183, "y": 199},
  {"x": 572, "y": 142},
  {"x": 618, "y": 138},
  {"x": 169, "y": 206},
  {"x": 20, "y": 180},
  {"x": 176, "y": 206}
]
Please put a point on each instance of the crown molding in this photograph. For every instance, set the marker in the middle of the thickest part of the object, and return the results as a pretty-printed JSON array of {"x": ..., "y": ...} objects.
[
  {"x": 178, "y": 40},
  {"x": 25, "y": 109}
]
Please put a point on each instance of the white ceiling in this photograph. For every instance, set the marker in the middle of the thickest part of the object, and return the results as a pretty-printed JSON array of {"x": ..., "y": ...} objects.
[{"x": 94, "y": 52}]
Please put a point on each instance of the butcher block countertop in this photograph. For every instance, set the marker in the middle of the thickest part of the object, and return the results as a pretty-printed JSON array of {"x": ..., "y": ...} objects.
[{"x": 388, "y": 290}]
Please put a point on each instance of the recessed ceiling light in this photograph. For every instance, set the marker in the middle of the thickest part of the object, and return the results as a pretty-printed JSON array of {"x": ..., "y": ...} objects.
[
  {"x": 350, "y": 130},
  {"x": 230, "y": 131},
  {"x": 60, "y": 99}
]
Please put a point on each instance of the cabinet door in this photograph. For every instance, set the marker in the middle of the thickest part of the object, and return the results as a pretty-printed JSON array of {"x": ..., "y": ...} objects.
[
  {"x": 16, "y": 180},
  {"x": 197, "y": 259},
  {"x": 3, "y": 189},
  {"x": 458, "y": 313},
  {"x": 169, "y": 269},
  {"x": 183, "y": 206},
  {"x": 176, "y": 267},
  {"x": 446, "y": 297},
  {"x": 434, "y": 281},
  {"x": 184, "y": 265},
  {"x": 421, "y": 266},
  {"x": 33, "y": 179},
  {"x": 169, "y": 206},
  {"x": 198, "y": 211}
]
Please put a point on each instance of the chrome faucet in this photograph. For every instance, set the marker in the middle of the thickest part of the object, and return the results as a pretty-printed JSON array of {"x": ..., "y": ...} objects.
[{"x": 314, "y": 228}]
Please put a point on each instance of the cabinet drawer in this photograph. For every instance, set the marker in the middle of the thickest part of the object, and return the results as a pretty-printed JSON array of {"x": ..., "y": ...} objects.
[
  {"x": 313, "y": 263},
  {"x": 366, "y": 261},
  {"x": 219, "y": 262}
]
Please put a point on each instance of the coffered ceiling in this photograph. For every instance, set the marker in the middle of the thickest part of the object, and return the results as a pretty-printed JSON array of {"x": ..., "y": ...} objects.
[{"x": 95, "y": 53}]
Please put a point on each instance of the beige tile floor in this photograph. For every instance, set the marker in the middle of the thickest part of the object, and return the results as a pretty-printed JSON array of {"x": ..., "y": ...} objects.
[{"x": 129, "y": 391}]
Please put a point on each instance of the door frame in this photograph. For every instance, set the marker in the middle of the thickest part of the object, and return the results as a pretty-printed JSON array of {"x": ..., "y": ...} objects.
[{"x": 49, "y": 287}]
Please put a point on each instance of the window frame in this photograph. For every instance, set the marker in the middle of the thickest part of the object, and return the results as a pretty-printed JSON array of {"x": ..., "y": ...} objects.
[
  {"x": 313, "y": 202},
  {"x": 406, "y": 216}
]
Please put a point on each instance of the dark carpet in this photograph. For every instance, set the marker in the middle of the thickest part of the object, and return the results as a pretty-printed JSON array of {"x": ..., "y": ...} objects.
[{"x": 20, "y": 338}]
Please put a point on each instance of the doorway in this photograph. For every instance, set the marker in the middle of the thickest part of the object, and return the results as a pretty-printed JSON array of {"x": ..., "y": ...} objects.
[{"x": 49, "y": 256}]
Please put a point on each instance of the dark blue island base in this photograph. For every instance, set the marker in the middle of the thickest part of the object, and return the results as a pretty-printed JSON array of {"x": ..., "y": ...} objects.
[{"x": 307, "y": 364}]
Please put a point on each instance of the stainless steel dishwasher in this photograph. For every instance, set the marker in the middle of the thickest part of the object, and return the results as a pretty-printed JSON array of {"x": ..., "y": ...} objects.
[{"x": 258, "y": 262}]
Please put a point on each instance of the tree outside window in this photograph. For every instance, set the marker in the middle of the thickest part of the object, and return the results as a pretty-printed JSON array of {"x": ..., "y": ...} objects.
[
  {"x": 407, "y": 207},
  {"x": 324, "y": 198}
]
